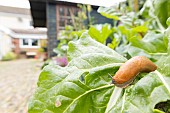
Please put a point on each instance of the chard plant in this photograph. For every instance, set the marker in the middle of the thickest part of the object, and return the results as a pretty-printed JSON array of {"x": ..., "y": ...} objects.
[{"x": 84, "y": 85}]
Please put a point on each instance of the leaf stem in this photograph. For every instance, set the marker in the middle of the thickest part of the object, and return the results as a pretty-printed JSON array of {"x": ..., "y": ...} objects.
[
  {"x": 158, "y": 53},
  {"x": 113, "y": 99},
  {"x": 163, "y": 80},
  {"x": 124, "y": 97},
  {"x": 102, "y": 87}
]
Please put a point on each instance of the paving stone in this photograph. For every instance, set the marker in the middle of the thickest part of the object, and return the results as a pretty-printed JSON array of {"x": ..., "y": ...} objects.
[{"x": 17, "y": 84}]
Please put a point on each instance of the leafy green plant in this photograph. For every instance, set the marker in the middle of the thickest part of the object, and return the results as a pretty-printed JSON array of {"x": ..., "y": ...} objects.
[
  {"x": 162, "y": 8},
  {"x": 100, "y": 32},
  {"x": 138, "y": 33},
  {"x": 84, "y": 85},
  {"x": 69, "y": 34}
]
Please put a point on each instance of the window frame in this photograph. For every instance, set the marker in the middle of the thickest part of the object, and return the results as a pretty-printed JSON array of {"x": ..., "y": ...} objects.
[
  {"x": 65, "y": 16},
  {"x": 29, "y": 43}
]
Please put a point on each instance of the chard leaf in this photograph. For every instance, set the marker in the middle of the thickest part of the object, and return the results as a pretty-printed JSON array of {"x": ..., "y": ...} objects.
[
  {"x": 152, "y": 43},
  {"x": 85, "y": 87},
  {"x": 152, "y": 46},
  {"x": 143, "y": 96},
  {"x": 162, "y": 8},
  {"x": 168, "y": 21},
  {"x": 152, "y": 89}
]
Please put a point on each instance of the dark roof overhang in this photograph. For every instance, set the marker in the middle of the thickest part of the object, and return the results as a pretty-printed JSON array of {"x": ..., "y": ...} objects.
[{"x": 38, "y": 12}]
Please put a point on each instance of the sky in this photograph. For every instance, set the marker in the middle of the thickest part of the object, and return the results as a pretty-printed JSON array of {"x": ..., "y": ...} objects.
[{"x": 25, "y": 3}]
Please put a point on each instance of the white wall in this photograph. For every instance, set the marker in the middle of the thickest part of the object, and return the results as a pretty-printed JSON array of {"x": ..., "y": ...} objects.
[
  {"x": 5, "y": 44},
  {"x": 17, "y": 21}
]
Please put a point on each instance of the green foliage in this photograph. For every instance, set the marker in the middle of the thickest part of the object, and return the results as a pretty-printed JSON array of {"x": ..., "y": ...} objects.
[
  {"x": 168, "y": 21},
  {"x": 109, "y": 12},
  {"x": 157, "y": 111},
  {"x": 100, "y": 32},
  {"x": 65, "y": 36},
  {"x": 138, "y": 33},
  {"x": 79, "y": 82},
  {"x": 83, "y": 15},
  {"x": 151, "y": 43},
  {"x": 9, "y": 56},
  {"x": 162, "y": 10},
  {"x": 84, "y": 85}
]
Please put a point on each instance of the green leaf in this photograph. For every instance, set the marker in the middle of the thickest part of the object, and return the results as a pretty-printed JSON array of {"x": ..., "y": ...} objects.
[
  {"x": 140, "y": 29},
  {"x": 164, "y": 65},
  {"x": 134, "y": 51},
  {"x": 84, "y": 85},
  {"x": 157, "y": 111},
  {"x": 168, "y": 21},
  {"x": 152, "y": 43},
  {"x": 152, "y": 89},
  {"x": 110, "y": 12},
  {"x": 143, "y": 96},
  {"x": 162, "y": 10},
  {"x": 100, "y": 32}
]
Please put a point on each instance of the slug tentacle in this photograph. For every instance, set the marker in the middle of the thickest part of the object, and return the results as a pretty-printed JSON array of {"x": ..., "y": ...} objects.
[{"x": 130, "y": 69}]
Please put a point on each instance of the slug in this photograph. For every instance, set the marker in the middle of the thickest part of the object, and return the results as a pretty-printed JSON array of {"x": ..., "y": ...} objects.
[{"x": 130, "y": 69}]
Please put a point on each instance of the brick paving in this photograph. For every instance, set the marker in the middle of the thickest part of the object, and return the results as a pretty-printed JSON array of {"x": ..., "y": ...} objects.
[{"x": 17, "y": 83}]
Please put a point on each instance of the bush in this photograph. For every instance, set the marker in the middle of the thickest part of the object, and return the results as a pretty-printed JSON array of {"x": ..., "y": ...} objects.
[{"x": 9, "y": 56}]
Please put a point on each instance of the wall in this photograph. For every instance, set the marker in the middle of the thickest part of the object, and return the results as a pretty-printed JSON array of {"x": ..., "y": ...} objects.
[
  {"x": 15, "y": 20},
  {"x": 5, "y": 44},
  {"x": 16, "y": 47}
]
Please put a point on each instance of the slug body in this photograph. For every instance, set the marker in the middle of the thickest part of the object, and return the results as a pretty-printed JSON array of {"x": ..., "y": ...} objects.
[{"x": 130, "y": 69}]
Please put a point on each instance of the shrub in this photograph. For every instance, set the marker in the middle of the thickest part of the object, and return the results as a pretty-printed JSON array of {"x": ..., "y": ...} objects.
[{"x": 9, "y": 56}]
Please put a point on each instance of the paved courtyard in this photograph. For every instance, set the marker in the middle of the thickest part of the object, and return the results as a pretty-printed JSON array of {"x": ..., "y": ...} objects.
[{"x": 17, "y": 83}]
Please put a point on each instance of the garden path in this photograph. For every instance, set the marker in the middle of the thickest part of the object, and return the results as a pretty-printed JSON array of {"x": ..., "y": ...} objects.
[{"x": 17, "y": 83}]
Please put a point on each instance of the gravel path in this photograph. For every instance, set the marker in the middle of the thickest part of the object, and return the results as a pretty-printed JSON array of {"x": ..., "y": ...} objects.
[{"x": 17, "y": 83}]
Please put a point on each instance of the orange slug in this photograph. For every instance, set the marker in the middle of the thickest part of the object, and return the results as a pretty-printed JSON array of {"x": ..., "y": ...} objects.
[{"x": 130, "y": 69}]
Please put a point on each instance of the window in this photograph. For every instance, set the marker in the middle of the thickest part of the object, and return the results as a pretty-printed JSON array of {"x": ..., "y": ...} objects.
[
  {"x": 68, "y": 12},
  {"x": 25, "y": 42},
  {"x": 61, "y": 11},
  {"x": 69, "y": 22},
  {"x": 76, "y": 10},
  {"x": 34, "y": 42},
  {"x": 64, "y": 15},
  {"x": 29, "y": 43},
  {"x": 62, "y": 22}
]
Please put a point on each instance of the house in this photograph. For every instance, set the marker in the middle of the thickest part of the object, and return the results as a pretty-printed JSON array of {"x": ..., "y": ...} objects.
[
  {"x": 55, "y": 15},
  {"x": 25, "y": 40},
  {"x": 28, "y": 42}
]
